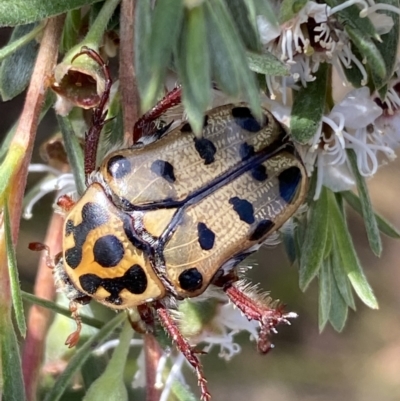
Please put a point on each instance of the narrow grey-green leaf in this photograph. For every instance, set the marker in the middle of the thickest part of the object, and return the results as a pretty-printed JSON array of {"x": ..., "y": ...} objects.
[
  {"x": 370, "y": 222},
  {"x": 384, "y": 226},
  {"x": 74, "y": 152},
  {"x": 182, "y": 392},
  {"x": 12, "y": 380},
  {"x": 16, "y": 44},
  {"x": 350, "y": 261},
  {"x": 13, "y": 273},
  {"x": 340, "y": 276},
  {"x": 240, "y": 15},
  {"x": 228, "y": 57},
  {"x": 56, "y": 392},
  {"x": 289, "y": 9},
  {"x": 339, "y": 310},
  {"x": 142, "y": 28},
  {"x": 16, "y": 70},
  {"x": 309, "y": 105},
  {"x": 368, "y": 50},
  {"x": 324, "y": 302},
  {"x": 264, "y": 8},
  {"x": 313, "y": 247},
  {"x": 165, "y": 26},
  {"x": 388, "y": 46},
  {"x": 18, "y": 12},
  {"x": 90, "y": 321},
  {"x": 267, "y": 64},
  {"x": 110, "y": 385},
  {"x": 194, "y": 67},
  {"x": 71, "y": 28}
]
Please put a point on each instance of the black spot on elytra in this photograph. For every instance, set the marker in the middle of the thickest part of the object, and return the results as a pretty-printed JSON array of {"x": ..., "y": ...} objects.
[
  {"x": 108, "y": 251},
  {"x": 191, "y": 279},
  {"x": 243, "y": 208},
  {"x": 261, "y": 229},
  {"x": 259, "y": 173},
  {"x": 206, "y": 149},
  {"x": 163, "y": 169},
  {"x": 134, "y": 280},
  {"x": 289, "y": 180},
  {"x": 93, "y": 215},
  {"x": 206, "y": 237},
  {"x": 245, "y": 119},
  {"x": 246, "y": 151},
  {"x": 118, "y": 166}
]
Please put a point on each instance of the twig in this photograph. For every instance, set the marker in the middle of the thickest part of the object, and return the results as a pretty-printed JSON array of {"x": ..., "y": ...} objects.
[
  {"x": 127, "y": 76},
  {"x": 152, "y": 351}
]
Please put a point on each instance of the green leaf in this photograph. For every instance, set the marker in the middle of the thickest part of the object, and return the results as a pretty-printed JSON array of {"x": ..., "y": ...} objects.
[
  {"x": 90, "y": 321},
  {"x": 348, "y": 254},
  {"x": 16, "y": 70},
  {"x": 56, "y": 392},
  {"x": 313, "y": 247},
  {"x": 370, "y": 52},
  {"x": 267, "y": 64},
  {"x": 384, "y": 226},
  {"x": 74, "y": 152},
  {"x": 340, "y": 276},
  {"x": 264, "y": 8},
  {"x": 194, "y": 67},
  {"x": 182, "y": 392},
  {"x": 324, "y": 303},
  {"x": 228, "y": 57},
  {"x": 110, "y": 385},
  {"x": 388, "y": 46},
  {"x": 371, "y": 225},
  {"x": 165, "y": 26},
  {"x": 309, "y": 106},
  {"x": 247, "y": 30},
  {"x": 18, "y": 12},
  {"x": 71, "y": 29},
  {"x": 12, "y": 380},
  {"x": 16, "y": 44},
  {"x": 289, "y": 9},
  {"x": 339, "y": 310},
  {"x": 13, "y": 273}
]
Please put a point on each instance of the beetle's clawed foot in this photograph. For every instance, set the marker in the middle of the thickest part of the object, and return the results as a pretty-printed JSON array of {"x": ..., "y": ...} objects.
[
  {"x": 73, "y": 339},
  {"x": 269, "y": 314}
]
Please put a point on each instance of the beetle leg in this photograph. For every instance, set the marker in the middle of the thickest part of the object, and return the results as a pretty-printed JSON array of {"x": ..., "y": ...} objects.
[
  {"x": 267, "y": 313},
  {"x": 183, "y": 345},
  {"x": 145, "y": 125},
  {"x": 73, "y": 338},
  {"x": 65, "y": 203}
]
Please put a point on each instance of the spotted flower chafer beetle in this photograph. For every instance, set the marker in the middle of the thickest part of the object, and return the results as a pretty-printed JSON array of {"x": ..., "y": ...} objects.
[{"x": 176, "y": 213}]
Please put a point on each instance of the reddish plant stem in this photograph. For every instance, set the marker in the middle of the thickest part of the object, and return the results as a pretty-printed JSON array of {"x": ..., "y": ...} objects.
[
  {"x": 152, "y": 352},
  {"x": 39, "y": 318},
  {"x": 127, "y": 76}
]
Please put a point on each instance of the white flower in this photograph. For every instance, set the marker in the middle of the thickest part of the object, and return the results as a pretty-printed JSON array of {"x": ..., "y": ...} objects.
[
  {"x": 313, "y": 36},
  {"x": 350, "y": 125}
]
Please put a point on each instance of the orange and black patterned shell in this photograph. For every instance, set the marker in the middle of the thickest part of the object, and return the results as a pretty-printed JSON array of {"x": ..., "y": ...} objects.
[{"x": 104, "y": 257}]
